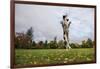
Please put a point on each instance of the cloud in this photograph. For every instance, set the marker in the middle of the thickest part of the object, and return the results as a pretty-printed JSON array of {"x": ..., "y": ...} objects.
[{"x": 45, "y": 21}]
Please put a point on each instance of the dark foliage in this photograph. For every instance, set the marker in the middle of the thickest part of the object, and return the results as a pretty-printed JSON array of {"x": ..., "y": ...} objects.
[{"x": 26, "y": 41}]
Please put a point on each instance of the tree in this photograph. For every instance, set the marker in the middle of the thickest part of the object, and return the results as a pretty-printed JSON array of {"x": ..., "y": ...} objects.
[
  {"x": 72, "y": 45},
  {"x": 83, "y": 44},
  {"x": 33, "y": 45},
  {"x": 61, "y": 44},
  {"x": 29, "y": 33},
  {"x": 53, "y": 44},
  {"x": 16, "y": 42},
  {"x": 46, "y": 44},
  {"x": 39, "y": 45},
  {"x": 89, "y": 43},
  {"x": 22, "y": 41},
  {"x": 75, "y": 45}
]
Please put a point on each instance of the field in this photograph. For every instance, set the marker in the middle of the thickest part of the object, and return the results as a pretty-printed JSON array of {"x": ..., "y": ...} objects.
[{"x": 53, "y": 56}]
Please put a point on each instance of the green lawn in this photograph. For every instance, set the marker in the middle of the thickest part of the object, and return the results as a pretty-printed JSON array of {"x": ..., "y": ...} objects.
[{"x": 52, "y": 56}]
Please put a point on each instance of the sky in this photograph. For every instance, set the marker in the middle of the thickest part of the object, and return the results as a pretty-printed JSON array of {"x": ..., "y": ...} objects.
[{"x": 45, "y": 21}]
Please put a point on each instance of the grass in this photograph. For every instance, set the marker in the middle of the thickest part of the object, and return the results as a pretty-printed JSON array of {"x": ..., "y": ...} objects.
[{"x": 52, "y": 56}]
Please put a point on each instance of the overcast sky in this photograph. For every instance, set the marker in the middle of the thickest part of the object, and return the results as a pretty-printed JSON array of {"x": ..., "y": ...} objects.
[{"x": 45, "y": 20}]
